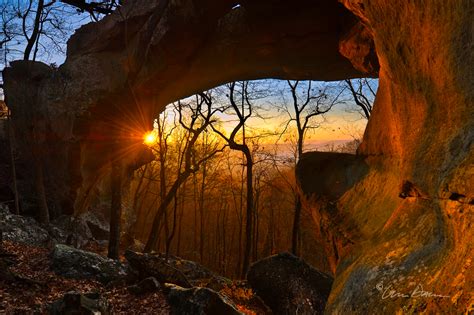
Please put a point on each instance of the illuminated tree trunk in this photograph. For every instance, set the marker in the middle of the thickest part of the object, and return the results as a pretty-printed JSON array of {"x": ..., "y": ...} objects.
[
  {"x": 201, "y": 213},
  {"x": 297, "y": 216},
  {"x": 249, "y": 213},
  {"x": 296, "y": 226},
  {"x": 170, "y": 237},
  {"x": 305, "y": 107},
  {"x": 224, "y": 239},
  {"x": 155, "y": 231},
  {"x": 195, "y": 202},
  {"x": 180, "y": 224}
]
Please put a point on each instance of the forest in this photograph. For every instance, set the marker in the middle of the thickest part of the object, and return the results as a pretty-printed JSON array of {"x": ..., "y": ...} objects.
[{"x": 221, "y": 189}]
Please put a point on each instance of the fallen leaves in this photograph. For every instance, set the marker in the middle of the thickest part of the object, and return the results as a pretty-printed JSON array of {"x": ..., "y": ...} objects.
[
  {"x": 35, "y": 285},
  {"x": 29, "y": 296},
  {"x": 246, "y": 300}
]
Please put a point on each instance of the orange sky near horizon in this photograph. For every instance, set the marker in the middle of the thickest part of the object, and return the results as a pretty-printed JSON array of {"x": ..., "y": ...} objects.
[{"x": 341, "y": 123}]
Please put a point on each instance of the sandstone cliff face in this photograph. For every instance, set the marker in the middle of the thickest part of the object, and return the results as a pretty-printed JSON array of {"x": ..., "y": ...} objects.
[
  {"x": 409, "y": 218},
  {"x": 397, "y": 215}
]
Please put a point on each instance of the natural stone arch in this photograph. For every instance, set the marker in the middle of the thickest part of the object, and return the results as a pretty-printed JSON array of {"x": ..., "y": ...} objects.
[
  {"x": 418, "y": 144},
  {"x": 124, "y": 69}
]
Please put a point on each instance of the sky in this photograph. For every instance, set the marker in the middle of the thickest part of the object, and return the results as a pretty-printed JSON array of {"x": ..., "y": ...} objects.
[{"x": 341, "y": 123}]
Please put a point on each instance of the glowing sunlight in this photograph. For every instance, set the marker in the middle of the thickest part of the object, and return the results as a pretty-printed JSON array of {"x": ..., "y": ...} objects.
[{"x": 149, "y": 138}]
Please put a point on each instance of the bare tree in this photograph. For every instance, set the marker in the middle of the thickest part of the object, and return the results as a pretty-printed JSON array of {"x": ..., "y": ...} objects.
[
  {"x": 39, "y": 29},
  {"x": 94, "y": 8},
  {"x": 307, "y": 102},
  {"x": 200, "y": 121},
  {"x": 363, "y": 93},
  {"x": 115, "y": 207},
  {"x": 209, "y": 218},
  {"x": 243, "y": 113},
  {"x": 8, "y": 28}
]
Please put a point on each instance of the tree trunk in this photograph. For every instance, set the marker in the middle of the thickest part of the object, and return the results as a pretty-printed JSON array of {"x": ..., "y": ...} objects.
[
  {"x": 249, "y": 214},
  {"x": 13, "y": 165},
  {"x": 138, "y": 198},
  {"x": 195, "y": 202},
  {"x": 201, "y": 214},
  {"x": 34, "y": 34},
  {"x": 115, "y": 209},
  {"x": 297, "y": 215},
  {"x": 180, "y": 224},
  {"x": 224, "y": 248},
  {"x": 256, "y": 231},
  {"x": 154, "y": 233},
  {"x": 296, "y": 226},
  {"x": 173, "y": 228}
]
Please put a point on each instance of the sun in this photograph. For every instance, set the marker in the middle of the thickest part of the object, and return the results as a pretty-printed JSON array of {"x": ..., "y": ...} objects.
[{"x": 149, "y": 138}]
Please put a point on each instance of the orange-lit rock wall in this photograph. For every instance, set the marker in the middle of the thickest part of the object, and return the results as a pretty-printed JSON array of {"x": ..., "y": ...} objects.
[{"x": 409, "y": 219}]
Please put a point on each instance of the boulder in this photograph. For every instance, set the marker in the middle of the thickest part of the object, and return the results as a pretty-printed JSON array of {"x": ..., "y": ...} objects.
[
  {"x": 78, "y": 231},
  {"x": 288, "y": 285},
  {"x": 22, "y": 229},
  {"x": 97, "y": 225},
  {"x": 173, "y": 269},
  {"x": 70, "y": 231},
  {"x": 196, "y": 273},
  {"x": 75, "y": 263},
  {"x": 148, "y": 265},
  {"x": 78, "y": 303},
  {"x": 199, "y": 301},
  {"x": 133, "y": 244},
  {"x": 65, "y": 229},
  {"x": 5, "y": 274},
  {"x": 145, "y": 286}
]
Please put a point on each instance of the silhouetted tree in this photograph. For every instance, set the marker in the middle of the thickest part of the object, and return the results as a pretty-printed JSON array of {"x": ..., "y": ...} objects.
[
  {"x": 200, "y": 121},
  {"x": 307, "y": 102},
  {"x": 243, "y": 111},
  {"x": 363, "y": 93}
]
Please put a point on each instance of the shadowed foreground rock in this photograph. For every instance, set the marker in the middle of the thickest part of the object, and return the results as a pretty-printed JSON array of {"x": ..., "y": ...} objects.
[
  {"x": 199, "y": 301},
  {"x": 22, "y": 229},
  {"x": 78, "y": 303},
  {"x": 75, "y": 263},
  {"x": 63, "y": 230},
  {"x": 70, "y": 231},
  {"x": 147, "y": 265},
  {"x": 175, "y": 270},
  {"x": 288, "y": 285},
  {"x": 147, "y": 285}
]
